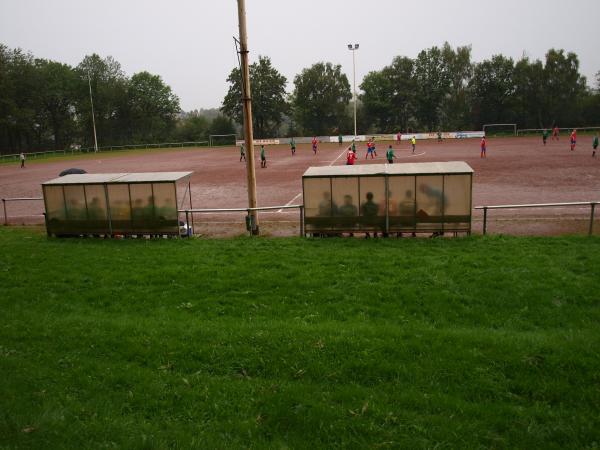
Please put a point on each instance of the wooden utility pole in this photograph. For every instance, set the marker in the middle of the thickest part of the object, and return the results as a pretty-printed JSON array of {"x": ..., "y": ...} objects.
[{"x": 248, "y": 132}]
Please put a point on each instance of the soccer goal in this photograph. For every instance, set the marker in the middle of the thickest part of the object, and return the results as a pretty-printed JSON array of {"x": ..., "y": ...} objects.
[
  {"x": 500, "y": 129},
  {"x": 221, "y": 139}
]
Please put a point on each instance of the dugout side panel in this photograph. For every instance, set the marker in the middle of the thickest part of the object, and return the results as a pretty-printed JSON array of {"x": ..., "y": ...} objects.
[
  {"x": 430, "y": 202},
  {"x": 402, "y": 203},
  {"x": 165, "y": 208},
  {"x": 457, "y": 212},
  {"x": 96, "y": 209},
  {"x": 142, "y": 208},
  {"x": 372, "y": 203},
  {"x": 55, "y": 209},
  {"x": 319, "y": 212},
  {"x": 345, "y": 201},
  {"x": 120, "y": 208}
]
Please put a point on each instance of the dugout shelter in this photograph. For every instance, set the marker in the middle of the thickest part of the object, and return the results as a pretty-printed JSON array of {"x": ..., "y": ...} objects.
[
  {"x": 116, "y": 203},
  {"x": 388, "y": 198}
]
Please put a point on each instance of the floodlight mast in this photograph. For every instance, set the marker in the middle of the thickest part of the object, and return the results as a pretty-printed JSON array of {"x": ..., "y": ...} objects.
[
  {"x": 247, "y": 106},
  {"x": 93, "y": 119},
  {"x": 353, "y": 50}
]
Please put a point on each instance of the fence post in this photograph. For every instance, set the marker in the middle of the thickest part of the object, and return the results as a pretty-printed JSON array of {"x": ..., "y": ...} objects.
[
  {"x": 187, "y": 222},
  {"x": 301, "y": 220},
  {"x": 4, "y": 207},
  {"x": 593, "y": 205},
  {"x": 484, "y": 220}
]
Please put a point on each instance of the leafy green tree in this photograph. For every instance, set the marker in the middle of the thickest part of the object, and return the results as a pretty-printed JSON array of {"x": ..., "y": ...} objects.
[
  {"x": 222, "y": 125},
  {"x": 57, "y": 98},
  {"x": 530, "y": 101},
  {"x": 22, "y": 112},
  {"x": 152, "y": 107},
  {"x": 564, "y": 86},
  {"x": 433, "y": 84},
  {"x": 455, "y": 110},
  {"x": 320, "y": 99},
  {"x": 389, "y": 96},
  {"x": 268, "y": 97},
  {"x": 492, "y": 91},
  {"x": 109, "y": 93},
  {"x": 193, "y": 128}
]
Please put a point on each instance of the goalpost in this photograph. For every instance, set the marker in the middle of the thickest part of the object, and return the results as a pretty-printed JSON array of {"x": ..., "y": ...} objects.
[
  {"x": 221, "y": 139},
  {"x": 509, "y": 128}
]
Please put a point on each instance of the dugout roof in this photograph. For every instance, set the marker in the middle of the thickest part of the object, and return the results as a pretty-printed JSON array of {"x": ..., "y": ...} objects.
[
  {"x": 116, "y": 178},
  {"x": 429, "y": 168}
]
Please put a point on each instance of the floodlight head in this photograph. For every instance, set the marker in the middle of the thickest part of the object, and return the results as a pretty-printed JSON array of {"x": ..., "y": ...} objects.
[
  {"x": 349, "y": 46},
  {"x": 356, "y": 46}
]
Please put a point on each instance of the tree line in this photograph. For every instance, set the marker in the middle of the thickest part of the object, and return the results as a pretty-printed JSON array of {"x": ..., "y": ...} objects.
[
  {"x": 46, "y": 105},
  {"x": 442, "y": 88}
]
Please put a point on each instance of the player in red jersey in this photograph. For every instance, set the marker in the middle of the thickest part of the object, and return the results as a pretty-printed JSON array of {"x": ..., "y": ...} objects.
[
  {"x": 350, "y": 157},
  {"x": 370, "y": 149},
  {"x": 483, "y": 147},
  {"x": 314, "y": 144},
  {"x": 573, "y": 139},
  {"x": 555, "y": 133}
]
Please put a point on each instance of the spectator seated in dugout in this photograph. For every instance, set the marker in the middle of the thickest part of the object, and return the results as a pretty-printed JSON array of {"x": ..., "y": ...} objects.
[
  {"x": 327, "y": 207},
  {"x": 370, "y": 211}
]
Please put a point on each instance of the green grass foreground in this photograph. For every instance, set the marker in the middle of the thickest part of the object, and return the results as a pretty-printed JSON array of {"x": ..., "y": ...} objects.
[{"x": 289, "y": 343}]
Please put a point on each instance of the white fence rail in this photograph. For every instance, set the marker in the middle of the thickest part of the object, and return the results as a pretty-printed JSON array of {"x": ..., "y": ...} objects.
[{"x": 592, "y": 206}]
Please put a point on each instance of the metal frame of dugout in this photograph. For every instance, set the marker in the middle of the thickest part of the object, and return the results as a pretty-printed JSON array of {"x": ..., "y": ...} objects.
[
  {"x": 116, "y": 203},
  {"x": 388, "y": 198}
]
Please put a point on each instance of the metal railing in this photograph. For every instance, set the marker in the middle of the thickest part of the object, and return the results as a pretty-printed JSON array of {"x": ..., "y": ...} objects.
[
  {"x": 20, "y": 199},
  {"x": 592, "y": 206},
  {"x": 249, "y": 224},
  {"x": 71, "y": 151},
  {"x": 190, "y": 212}
]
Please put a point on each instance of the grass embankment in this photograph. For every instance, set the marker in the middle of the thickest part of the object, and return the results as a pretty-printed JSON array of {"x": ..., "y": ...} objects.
[
  {"x": 478, "y": 342},
  {"x": 68, "y": 156}
]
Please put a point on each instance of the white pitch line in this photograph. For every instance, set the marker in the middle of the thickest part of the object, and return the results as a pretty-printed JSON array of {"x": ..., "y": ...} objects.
[
  {"x": 330, "y": 164},
  {"x": 339, "y": 156},
  {"x": 290, "y": 202},
  {"x": 412, "y": 156}
]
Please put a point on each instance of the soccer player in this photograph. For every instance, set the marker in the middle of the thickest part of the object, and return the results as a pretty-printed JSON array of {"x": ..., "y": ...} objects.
[
  {"x": 263, "y": 158},
  {"x": 390, "y": 155},
  {"x": 354, "y": 146},
  {"x": 544, "y": 136},
  {"x": 573, "y": 139},
  {"x": 399, "y": 137},
  {"x": 483, "y": 148},
  {"x": 350, "y": 157},
  {"x": 242, "y": 153},
  {"x": 439, "y": 135},
  {"x": 314, "y": 144},
  {"x": 293, "y": 146},
  {"x": 340, "y": 139},
  {"x": 369, "y": 149},
  {"x": 413, "y": 141},
  {"x": 595, "y": 145},
  {"x": 555, "y": 133},
  {"x": 373, "y": 145},
  {"x": 22, "y": 158}
]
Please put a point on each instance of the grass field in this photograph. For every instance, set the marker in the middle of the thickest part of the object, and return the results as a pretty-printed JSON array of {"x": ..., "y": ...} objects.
[{"x": 291, "y": 343}]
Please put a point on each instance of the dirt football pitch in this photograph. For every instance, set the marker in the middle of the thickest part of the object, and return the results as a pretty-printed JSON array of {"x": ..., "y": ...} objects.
[{"x": 516, "y": 170}]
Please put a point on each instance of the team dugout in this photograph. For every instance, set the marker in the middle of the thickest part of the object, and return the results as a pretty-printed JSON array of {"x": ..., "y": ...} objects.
[
  {"x": 116, "y": 203},
  {"x": 395, "y": 198}
]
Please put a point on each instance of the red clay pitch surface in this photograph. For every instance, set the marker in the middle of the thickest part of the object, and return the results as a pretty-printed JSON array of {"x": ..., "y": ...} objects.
[{"x": 516, "y": 170}]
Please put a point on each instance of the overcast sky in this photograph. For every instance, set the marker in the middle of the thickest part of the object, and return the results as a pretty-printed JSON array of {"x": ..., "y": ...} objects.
[{"x": 189, "y": 42}]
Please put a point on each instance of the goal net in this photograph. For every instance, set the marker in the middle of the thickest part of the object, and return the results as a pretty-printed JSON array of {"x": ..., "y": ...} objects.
[
  {"x": 216, "y": 140},
  {"x": 500, "y": 129}
]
